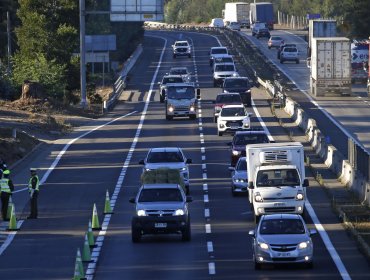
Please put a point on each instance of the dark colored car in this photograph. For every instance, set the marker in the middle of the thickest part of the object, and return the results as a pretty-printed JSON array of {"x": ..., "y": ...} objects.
[
  {"x": 243, "y": 138},
  {"x": 263, "y": 32},
  {"x": 240, "y": 85},
  {"x": 282, "y": 47}
]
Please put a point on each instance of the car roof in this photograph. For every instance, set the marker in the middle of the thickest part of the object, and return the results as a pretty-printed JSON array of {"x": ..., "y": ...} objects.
[
  {"x": 250, "y": 132},
  {"x": 282, "y": 216},
  {"x": 239, "y": 78},
  {"x": 218, "y": 48},
  {"x": 224, "y": 63},
  {"x": 160, "y": 186},
  {"x": 228, "y": 93},
  {"x": 184, "y": 41},
  {"x": 165, "y": 149},
  {"x": 172, "y": 76}
]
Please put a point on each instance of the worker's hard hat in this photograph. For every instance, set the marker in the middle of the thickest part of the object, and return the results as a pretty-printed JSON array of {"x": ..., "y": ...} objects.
[{"x": 6, "y": 172}]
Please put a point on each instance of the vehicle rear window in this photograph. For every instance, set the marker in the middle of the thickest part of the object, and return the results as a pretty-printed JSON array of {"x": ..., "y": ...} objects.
[
  {"x": 289, "y": 50},
  {"x": 219, "y": 51},
  {"x": 250, "y": 139},
  {"x": 224, "y": 67},
  {"x": 172, "y": 80},
  {"x": 157, "y": 195},
  {"x": 178, "y": 71},
  {"x": 282, "y": 226},
  {"x": 229, "y": 99},
  {"x": 236, "y": 83}
]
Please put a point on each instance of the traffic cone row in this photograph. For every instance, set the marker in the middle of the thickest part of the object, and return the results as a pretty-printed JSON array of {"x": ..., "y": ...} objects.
[{"x": 89, "y": 239}]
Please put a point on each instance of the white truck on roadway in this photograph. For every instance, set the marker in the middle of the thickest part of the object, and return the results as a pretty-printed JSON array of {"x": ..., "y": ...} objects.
[
  {"x": 236, "y": 12},
  {"x": 276, "y": 178}
]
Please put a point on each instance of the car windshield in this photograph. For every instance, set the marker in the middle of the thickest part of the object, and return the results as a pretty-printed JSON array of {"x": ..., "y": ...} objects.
[
  {"x": 224, "y": 67},
  {"x": 219, "y": 51},
  {"x": 275, "y": 38},
  {"x": 179, "y": 71},
  {"x": 224, "y": 59},
  {"x": 184, "y": 44},
  {"x": 282, "y": 226},
  {"x": 167, "y": 80},
  {"x": 236, "y": 83},
  {"x": 241, "y": 140},
  {"x": 289, "y": 50},
  {"x": 242, "y": 165},
  {"x": 180, "y": 93},
  {"x": 278, "y": 178},
  {"x": 228, "y": 99},
  {"x": 232, "y": 112},
  {"x": 157, "y": 195},
  {"x": 157, "y": 157}
]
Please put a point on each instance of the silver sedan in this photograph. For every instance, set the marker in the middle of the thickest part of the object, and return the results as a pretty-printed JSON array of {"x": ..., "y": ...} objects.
[
  {"x": 282, "y": 238},
  {"x": 239, "y": 177}
]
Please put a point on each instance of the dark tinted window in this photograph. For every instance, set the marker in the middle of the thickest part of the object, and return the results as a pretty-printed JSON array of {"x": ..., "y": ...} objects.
[
  {"x": 167, "y": 80},
  {"x": 244, "y": 139},
  {"x": 219, "y": 51},
  {"x": 157, "y": 157},
  {"x": 242, "y": 165},
  {"x": 282, "y": 226},
  {"x": 229, "y": 99},
  {"x": 236, "y": 83},
  {"x": 153, "y": 195}
]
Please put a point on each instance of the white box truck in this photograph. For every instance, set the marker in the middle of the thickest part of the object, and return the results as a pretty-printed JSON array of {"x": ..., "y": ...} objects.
[
  {"x": 276, "y": 178},
  {"x": 237, "y": 12},
  {"x": 319, "y": 28},
  {"x": 330, "y": 66}
]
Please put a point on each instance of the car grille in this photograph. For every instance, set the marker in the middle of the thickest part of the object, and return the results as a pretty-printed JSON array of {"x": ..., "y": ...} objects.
[
  {"x": 181, "y": 49},
  {"x": 159, "y": 213},
  {"x": 278, "y": 198},
  {"x": 279, "y": 209},
  {"x": 284, "y": 259},
  {"x": 283, "y": 247},
  {"x": 234, "y": 123},
  {"x": 181, "y": 108},
  {"x": 224, "y": 76}
]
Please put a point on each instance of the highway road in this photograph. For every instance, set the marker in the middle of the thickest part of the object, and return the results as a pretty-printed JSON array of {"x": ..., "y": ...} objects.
[
  {"x": 349, "y": 115},
  {"x": 107, "y": 159}
]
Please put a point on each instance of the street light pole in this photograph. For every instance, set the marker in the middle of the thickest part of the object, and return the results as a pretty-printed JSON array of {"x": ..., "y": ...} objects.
[{"x": 82, "y": 54}]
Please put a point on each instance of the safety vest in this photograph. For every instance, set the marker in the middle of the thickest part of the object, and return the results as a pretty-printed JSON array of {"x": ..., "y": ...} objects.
[
  {"x": 37, "y": 183},
  {"x": 4, "y": 185}
]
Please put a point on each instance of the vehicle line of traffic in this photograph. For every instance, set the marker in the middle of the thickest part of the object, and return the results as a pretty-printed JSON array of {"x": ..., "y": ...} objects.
[{"x": 100, "y": 239}]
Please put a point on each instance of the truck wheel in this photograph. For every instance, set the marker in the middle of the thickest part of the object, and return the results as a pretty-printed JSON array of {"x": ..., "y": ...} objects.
[
  {"x": 186, "y": 233},
  {"x": 135, "y": 234}
]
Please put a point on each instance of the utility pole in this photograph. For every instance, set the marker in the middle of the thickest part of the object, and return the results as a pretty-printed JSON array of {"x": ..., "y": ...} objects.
[
  {"x": 9, "y": 41},
  {"x": 82, "y": 54}
]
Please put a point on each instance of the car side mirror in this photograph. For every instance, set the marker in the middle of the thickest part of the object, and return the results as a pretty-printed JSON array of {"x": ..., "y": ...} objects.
[
  {"x": 312, "y": 231},
  {"x": 251, "y": 233},
  {"x": 132, "y": 200},
  {"x": 189, "y": 160},
  {"x": 198, "y": 93},
  {"x": 141, "y": 162},
  {"x": 231, "y": 168},
  {"x": 250, "y": 185},
  {"x": 306, "y": 183},
  {"x": 189, "y": 199}
]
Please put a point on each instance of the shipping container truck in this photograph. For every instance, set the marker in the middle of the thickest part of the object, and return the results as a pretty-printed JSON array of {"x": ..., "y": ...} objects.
[
  {"x": 359, "y": 57},
  {"x": 262, "y": 12},
  {"x": 319, "y": 28},
  {"x": 276, "y": 178},
  {"x": 236, "y": 12},
  {"x": 330, "y": 66}
]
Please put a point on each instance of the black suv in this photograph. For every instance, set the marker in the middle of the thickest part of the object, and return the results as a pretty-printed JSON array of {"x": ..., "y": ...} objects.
[
  {"x": 263, "y": 32},
  {"x": 160, "y": 208},
  {"x": 240, "y": 85},
  {"x": 243, "y": 138}
]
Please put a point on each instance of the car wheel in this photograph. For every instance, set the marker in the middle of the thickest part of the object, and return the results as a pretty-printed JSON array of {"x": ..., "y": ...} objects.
[
  {"x": 297, "y": 61},
  {"x": 135, "y": 234},
  {"x": 256, "y": 219},
  {"x": 269, "y": 47},
  {"x": 169, "y": 117},
  {"x": 219, "y": 133},
  {"x": 233, "y": 191},
  {"x": 189, "y": 55},
  {"x": 257, "y": 266},
  {"x": 215, "y": 83},
  {"x": 174, "y": 56},
  {"x": 309, "y": 265},
  {"x": 192, "y": 117},
  {"x": 187, "y": 190},
  {"x": 281, "y": 61},
  {"x": 214, "y": 119},
  {"x": 186, "y": 233}
]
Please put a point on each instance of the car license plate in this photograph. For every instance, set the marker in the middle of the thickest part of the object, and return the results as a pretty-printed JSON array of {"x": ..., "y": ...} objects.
[
  {"x": 160, "y": 225},
  {"x": 283, "y": 255},
  {"x": 234, "y": 127},
  {"x": 278, "y": 204}
]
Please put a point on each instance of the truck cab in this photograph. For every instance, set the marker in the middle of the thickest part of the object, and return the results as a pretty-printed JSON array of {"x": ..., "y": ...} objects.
[
  {"x": 181, "y": 100},
  {"x": 276, "y": 178}
]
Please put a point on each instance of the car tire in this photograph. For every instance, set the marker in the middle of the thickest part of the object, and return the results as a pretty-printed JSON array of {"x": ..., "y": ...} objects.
[
  {"x": 297, "y": 61},
  {"x": 257, "y": 266},
  {"x": 186, "y": 233},
  {"x": 189, "y": 55},
  {"x": 219, "y": 133},
  {"x": 169, "y": 118},
  {"x": 187, "y": 189},
  {"x": 215, "y": 119},
  {"x": 215, "y": 83},
  {"x": 309, "y": 265},
  {"x": 269, "y": 47},
  {"x": 233, "y": 191},
  {"x": 135, "y": 234},
  {"x": 281, "y": 61},
  {"x": 192, "y": 117},
  {"x": 256, "y": 218}
]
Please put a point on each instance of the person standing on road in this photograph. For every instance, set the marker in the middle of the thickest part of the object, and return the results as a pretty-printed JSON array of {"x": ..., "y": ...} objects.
[
  {"x": 6, "y": 189},
  {"x": 33, "y": 189}
]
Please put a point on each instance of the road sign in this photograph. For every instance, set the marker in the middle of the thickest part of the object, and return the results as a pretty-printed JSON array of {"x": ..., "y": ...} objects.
[{"x": 137, "y": 10}]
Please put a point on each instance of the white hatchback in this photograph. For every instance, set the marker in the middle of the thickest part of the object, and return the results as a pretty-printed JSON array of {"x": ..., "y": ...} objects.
[{"x": 233, "y": 118}]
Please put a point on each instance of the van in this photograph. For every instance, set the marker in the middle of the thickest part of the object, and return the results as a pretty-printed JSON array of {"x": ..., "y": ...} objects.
[{"x": 217, "y": 22}]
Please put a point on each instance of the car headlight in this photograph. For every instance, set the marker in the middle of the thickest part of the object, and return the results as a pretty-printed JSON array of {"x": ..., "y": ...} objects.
[
  {"x": 222, "y": 125},
  {"x": 184, "y": 169},
  {"x": 303, "y": 245},
  {"x": 238, "y": 180},
  {"x": 246, "y": 124},
  {"x": 264, "y": 246},
  {"x": 147, "y": 169},
  {"x": 235, "y": 75},
  {"x": 300, "y": 196},
  {"x": 258, "y": 197},
  {"x": 141, "y": 213},
  {"x": 170, "y": 108},
  {"x": 236, "y": 153},
  {"x": 179, "y": 212},
  {"x": 192, "y": 108}
]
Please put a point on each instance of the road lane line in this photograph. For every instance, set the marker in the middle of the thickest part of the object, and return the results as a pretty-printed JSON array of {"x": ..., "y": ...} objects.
[
  {"x": 209, "y": 246},
  {"x": 211, "y": 268}
]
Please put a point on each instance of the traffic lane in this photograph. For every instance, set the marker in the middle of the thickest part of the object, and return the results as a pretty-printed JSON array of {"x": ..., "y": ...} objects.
[
  {"x": 65, "y": 207},
  {"x": 141, "y": 260}
]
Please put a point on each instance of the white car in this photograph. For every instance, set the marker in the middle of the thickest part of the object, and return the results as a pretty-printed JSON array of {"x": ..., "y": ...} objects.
[
  {"x": 217, "y": 22},
  {"x": 217, "y": 52},
  {"x": 181, "y": 48},
  {"x": 233, "y": 118},
  {"x": 289, "y": 54},
  {"x": 168, "y": 157},
  {"x": 234, "y": 25},
  {"x": 183, "y": 71},
  {"x": 222, "y": 71}
]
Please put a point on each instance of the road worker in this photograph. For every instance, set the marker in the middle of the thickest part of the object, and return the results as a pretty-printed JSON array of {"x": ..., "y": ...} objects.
[
  {"x": 33, "y": 189},
  {"x": 6, "y": 188}
]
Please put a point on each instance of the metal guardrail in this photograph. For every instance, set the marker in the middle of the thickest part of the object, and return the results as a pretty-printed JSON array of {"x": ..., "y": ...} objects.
[{"x": 121, "y": 82}]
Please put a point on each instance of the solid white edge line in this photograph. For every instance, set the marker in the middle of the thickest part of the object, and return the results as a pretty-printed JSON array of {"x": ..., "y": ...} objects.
[
  {"x": 329, "y": 246},
  {"x": 262, "y": 122}
]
